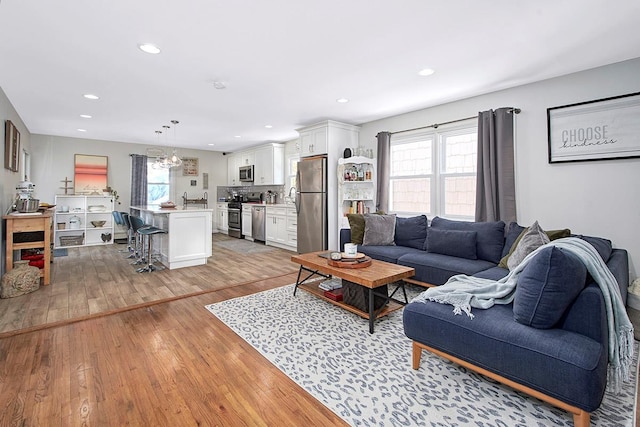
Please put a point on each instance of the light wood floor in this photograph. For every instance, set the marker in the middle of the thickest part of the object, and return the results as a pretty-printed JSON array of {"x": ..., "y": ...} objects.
[
  {"x": 99, "y": 279},
  {"x": 135, "y": 349}
]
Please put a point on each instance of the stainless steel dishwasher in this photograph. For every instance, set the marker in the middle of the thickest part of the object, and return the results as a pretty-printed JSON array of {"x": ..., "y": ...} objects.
[{"x": 258, "y": 214}]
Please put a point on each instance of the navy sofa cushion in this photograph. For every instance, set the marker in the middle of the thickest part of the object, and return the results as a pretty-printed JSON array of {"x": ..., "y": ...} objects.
[
  {"x": 493, "y": 273},
  {"x": 513, "y": 231},
  {"x": 567, "y": 366},
  {"x": 490, "y": 240},
  {"x": 411, "y": 232},
  {"x": 603, "y": 246},
  {"x": 548, "y": 284},
  {"x": 388, "y": 253},
  {"x": 436, "y": 269},
  {"x": 456, "y": 243}
]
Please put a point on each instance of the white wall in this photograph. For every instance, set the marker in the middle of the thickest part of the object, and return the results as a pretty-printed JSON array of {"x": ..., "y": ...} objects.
[
  {"x": 10, "y": 179},
  {"x": 53, "y": 160},
  {"x": 598, "y": 198}
]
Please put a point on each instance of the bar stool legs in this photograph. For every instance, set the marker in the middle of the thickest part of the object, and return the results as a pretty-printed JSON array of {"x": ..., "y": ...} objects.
[{"x": 148, "y": 234}]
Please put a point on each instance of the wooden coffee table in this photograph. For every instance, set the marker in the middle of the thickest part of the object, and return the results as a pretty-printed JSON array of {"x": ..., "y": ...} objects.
[{"x": 379, "y": 273}]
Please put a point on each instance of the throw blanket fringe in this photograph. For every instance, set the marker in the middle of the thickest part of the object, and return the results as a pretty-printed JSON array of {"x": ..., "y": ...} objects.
[{"x": 465, "y": 292}]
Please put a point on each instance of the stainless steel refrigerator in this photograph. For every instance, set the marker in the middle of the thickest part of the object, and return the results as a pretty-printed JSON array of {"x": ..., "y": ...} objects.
[{"x": 311, "y": 204}]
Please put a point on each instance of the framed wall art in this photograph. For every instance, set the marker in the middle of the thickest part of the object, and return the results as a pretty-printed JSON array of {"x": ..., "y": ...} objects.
[
  {"x": 90, "y": 174},
  {"x": 603, "y": 129},
  {"x": 189, "y": 166},
  {"x": 11, "y": 146}
]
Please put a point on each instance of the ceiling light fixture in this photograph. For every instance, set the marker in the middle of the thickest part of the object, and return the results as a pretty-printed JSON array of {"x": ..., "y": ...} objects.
[
  {"x": 238, "y": 136},
  {"x": 81, "y": 130},
  {"x": 219, "y": 85},
  {"x": 149, "y": 48},
  {"x": 426, "y": 72},
  {"x": 342, "y": 100},
  {"x": 268, "y": 126},
  {"x": 91, "y": 96},
  {"x": 85, "y": 116},
  {"x": 163, "y": 161}
]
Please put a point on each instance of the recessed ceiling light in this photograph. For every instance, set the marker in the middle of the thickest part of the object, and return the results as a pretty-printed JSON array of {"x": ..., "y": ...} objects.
[
  {"x": 81, "y": 130},
  {"x": 426, "y": 72},
  {"x": 85, "y": 116},
  {"x": 149, "y": 48},
  {"x": 211, "y": 145},
  {"x": 238, "y": 136},
  {"x": 342, "y": 100},
  {"x": 219, "y": 85},
  {"x": 268, "y": 126},
  {"x": 91, "y": 96}
]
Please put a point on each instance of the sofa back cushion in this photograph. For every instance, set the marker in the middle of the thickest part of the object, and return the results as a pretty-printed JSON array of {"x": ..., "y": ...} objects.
[
  {"x": 490, "y": 236},
  {"x": 546, "y": 287},
  {"x": 356, "y": 224},
  {"x": 458, "y": 243},
  {"x": 411, "y": 232},
  {"x": 531, "y": 240},
  {"x": 379, "y": 230}
]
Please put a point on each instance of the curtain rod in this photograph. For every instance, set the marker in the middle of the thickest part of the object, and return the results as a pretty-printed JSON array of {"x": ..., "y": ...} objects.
[{"x": 436, "y": 125}]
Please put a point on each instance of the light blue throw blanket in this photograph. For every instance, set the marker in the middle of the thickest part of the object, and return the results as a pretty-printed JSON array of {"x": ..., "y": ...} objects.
[{"x": 465, "y": 292}]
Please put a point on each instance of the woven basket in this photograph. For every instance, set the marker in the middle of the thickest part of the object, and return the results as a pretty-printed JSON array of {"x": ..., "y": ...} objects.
[{"x": 72, "y": 240}]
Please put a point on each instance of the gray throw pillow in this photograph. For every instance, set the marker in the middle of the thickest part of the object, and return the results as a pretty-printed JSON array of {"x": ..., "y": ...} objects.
[
  {"x": 379, "y": 230},
  {"x": 532, "y": 239}
]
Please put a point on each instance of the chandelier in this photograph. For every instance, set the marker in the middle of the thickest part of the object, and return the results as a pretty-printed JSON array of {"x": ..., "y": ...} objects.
[{"x": 163, "y": 160}]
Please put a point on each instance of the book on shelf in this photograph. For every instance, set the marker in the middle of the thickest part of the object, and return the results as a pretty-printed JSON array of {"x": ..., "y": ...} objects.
[{"x": 334, "y": 294}]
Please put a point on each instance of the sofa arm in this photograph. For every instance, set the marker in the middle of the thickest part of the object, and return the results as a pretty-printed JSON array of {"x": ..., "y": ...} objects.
[
  {"x": 345, "y": 237},
  {"x": 587, "y": 315},
  {"x": 618, "y": 263}
]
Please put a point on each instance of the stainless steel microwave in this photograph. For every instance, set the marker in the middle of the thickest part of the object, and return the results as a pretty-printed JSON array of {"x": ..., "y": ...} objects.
[{"x": 246, "y": 173}]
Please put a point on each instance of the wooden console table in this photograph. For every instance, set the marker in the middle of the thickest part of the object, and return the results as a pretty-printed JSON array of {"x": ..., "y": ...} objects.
[{"x": 29, "y": 223}]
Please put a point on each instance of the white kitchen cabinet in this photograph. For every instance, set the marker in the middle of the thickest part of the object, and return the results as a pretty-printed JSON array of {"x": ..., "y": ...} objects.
[
  {"x": 74, "y": 227},
  {"x": 233, "y": 174},
  {"x": 292, "y": 227},
  {"x": 280, "y": 223},
  {"x": 246, "y": 221},
  {"x": 222, "y": 217},
  {"x": 269, "y": 165},
  {"x": 314, "y": 141},
  {"x": 246, "y": 158}
]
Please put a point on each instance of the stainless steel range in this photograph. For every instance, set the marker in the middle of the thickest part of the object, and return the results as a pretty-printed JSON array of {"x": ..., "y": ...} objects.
[{"x": 235, "y": 219}]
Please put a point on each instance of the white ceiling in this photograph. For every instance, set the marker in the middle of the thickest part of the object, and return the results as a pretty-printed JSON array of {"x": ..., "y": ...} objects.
[{"x": 285, "y": 62}]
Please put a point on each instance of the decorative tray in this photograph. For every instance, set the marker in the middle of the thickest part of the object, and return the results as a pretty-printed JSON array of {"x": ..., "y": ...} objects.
[{"x": 360, "y": 262}]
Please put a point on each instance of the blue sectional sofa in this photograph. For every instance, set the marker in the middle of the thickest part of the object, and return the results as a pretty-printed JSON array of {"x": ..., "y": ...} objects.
[{"x": 565, "y": 365}]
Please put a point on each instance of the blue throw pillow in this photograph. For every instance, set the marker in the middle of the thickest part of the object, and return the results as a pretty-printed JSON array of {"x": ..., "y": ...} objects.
[
  {"x": 513, "y": 232},
  {"x": 490, "y": 239},
  {"x": 603, "y": 246},
  {"x": 461, "y": 244},
  {"x": 411, "y": 232},
  {"x": 547, "y": 286}
]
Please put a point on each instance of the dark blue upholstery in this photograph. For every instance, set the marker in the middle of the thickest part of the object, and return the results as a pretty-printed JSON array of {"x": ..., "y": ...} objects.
[
  {"x": 387, "y": 253},
  {"x": 457, "y": 243},
  {"x": 547, "y": 286},
  {"x": 411, "y": 232},
  {"x": 568, "y": 366},
  {"x": 436, "y": 269},
  {"x": 490, "y": 240},
  {"x": 567, "y": 362}
]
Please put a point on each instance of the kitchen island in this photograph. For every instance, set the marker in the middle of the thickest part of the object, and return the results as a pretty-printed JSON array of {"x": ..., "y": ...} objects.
[{"x": 188, "y": 239}]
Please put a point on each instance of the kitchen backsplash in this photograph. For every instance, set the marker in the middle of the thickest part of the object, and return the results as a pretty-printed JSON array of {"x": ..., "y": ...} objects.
[{"x": 226, "y": 192}]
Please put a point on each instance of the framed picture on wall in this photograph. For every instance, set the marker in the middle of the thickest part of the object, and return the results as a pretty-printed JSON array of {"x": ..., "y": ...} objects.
[
  {"x": 11, "y": 146},
  {"x": 90, "y": 174},
  {"x": 603, "y": 129},
  {"x": 189, "y": 166}
]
